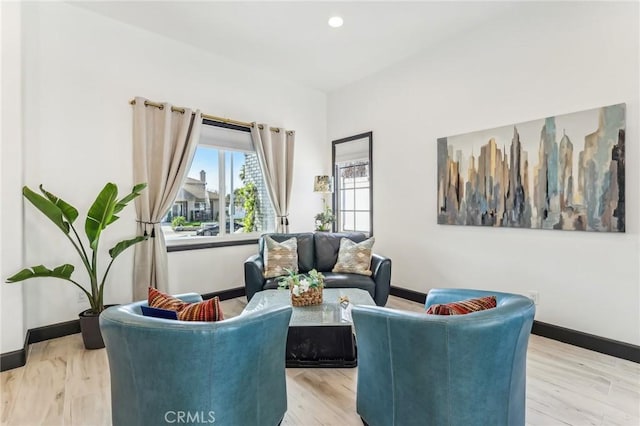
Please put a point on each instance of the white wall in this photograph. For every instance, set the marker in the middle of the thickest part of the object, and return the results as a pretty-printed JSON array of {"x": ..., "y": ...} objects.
[
  {"x": 80, "y": 71},
  {"x": 543, "y": 59},
  {"x": 11, "y": 212}
]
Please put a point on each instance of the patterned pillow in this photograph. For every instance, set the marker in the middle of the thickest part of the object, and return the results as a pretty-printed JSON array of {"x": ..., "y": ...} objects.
[
  {"x": 463, "y": 307},
  {"x": 354, "y": 258},
  {"x": 207, "y": 310},
  {"x": 158, "y": 299},
  {"x": 280, "y": 256}
]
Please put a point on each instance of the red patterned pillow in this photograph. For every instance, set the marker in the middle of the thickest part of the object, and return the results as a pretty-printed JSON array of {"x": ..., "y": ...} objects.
[
  {"x": 463, "y": 307},
  {"x": 207, "y": 310},
  {"x": 158, "y": 299}
]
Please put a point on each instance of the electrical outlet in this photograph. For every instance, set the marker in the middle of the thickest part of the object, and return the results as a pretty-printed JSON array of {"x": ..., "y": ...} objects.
[
  {"x": 81, "y": 296},
  {"x": 533, "y": 295}
]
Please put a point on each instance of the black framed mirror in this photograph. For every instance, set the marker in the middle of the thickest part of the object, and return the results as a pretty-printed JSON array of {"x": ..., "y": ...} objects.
[{"x": 352, "y": 165}]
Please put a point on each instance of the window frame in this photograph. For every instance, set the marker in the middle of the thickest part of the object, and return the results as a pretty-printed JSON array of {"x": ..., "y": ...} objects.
[
  {"x": 334, "y": 168},
  {"x": 226, "y": 239}
]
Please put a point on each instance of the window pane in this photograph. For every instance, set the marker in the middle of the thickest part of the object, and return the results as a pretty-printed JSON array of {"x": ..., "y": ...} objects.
[
  {"x": 234, "y": 198},
  {"x": 352, "y": 174},
  {"x": 354, "y": 196},
  {"x": 361, "y": 182},
  {"x": 263, "y": 217},
  {"x": 362, "y": 221},
  {"x": 348, "y": 199},
  {"x": 348, "y": 223},
  {"x": 245, "y": 205},
  {"x": 362, "y": 199},
  {"x": 346, "y": 182}
]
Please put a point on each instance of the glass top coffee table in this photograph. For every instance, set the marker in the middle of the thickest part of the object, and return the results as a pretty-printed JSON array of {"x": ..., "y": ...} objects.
[{"x": 319, "y": 335}]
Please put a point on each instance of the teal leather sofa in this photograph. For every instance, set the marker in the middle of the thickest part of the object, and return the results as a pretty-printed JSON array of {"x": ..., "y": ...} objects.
[
  {"x": 230, "y": 372},
  {"x": 459, "y": 370},
  {"x": 319, "y": 251}
]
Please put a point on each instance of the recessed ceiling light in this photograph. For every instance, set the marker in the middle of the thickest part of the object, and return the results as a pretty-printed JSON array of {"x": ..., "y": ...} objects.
[{"x": 335, "y": 21}]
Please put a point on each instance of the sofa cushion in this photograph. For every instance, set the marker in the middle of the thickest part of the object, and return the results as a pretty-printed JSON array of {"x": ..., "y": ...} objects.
[
  {"x": 463, "y": 307},
  {"x": 306, "y": 249},
  {"x": 327, "y": 245},
  {"x": 271, "y": 284},
  {"x": 354, "y": 258},
  {"x": 340, "y": 280},
  {"x": 278, "y": 257},
  {"x": 336, "y": 280}
]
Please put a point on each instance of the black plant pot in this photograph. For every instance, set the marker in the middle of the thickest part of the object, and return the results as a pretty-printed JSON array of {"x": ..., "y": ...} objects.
[{"x": 90, "y": 329}]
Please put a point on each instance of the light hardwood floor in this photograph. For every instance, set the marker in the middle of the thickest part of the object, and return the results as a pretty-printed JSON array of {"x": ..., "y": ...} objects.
[{"x": 63, "y": 384}]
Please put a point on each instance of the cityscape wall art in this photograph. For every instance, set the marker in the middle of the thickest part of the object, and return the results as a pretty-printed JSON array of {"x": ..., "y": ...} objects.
[{"x": 564, "y": 172}]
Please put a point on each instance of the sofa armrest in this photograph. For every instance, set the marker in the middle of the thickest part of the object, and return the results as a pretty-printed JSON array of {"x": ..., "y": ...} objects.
[
  {"x": 381, "y": 269},
  {"x": 253, "y": 275}
]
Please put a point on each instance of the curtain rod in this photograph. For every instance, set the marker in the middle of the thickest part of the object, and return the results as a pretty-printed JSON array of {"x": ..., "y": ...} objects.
[
  {"x": 207, "y": 116},
  {"x": 213, "y": 117}
]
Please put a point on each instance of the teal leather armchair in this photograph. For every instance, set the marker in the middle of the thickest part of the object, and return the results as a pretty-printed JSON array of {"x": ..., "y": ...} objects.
[
  {"x": 230, "y": 372},
  {"x": 459, "y": 370}
]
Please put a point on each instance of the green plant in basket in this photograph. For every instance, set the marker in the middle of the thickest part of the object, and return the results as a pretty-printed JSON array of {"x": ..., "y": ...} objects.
[
  {"x": 324, "y": 220},
  {"x": 299, "y": 283}
]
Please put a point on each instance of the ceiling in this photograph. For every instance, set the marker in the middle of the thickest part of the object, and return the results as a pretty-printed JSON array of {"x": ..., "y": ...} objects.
[{"x": 292, "y": 39}]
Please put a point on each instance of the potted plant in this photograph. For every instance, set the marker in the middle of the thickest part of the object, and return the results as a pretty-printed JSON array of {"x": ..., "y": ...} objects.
[
  {"x": 101, "y": 214},
  {"x": 324, "y": 220},
  {"x": 305, "y": 290}
]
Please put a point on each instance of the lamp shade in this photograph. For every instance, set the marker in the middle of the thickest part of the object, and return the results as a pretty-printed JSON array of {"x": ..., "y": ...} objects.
[{"x": 323, "y": 184}]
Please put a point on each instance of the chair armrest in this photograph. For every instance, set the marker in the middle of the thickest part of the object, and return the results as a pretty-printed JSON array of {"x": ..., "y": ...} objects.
[
  {"x": 381, "y": 269},
  {"x": 253, "y": 275},
  {"x": 189, "y": 297}
]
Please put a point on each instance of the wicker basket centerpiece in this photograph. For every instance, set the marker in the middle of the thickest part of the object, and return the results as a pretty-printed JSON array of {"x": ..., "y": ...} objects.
[{"x": 306, "y": 290}]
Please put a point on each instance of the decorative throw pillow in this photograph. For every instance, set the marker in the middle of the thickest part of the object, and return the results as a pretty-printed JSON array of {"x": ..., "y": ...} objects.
[
  {"x": 158, "y": 299},
  {"x": 280, "y": 256},
  {"x": 206, "y": 310},
  {"x": 463, "y": 307},
  {"x": 354, "y": 258},
  {"x": 148, "y": 311}
]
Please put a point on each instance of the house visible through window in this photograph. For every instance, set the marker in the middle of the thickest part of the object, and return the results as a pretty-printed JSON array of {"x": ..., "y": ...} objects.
[{"x": 224, "y": 194}]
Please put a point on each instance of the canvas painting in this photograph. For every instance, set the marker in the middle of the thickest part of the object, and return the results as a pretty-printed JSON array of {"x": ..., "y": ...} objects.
[{"x": 564, "y": 172}]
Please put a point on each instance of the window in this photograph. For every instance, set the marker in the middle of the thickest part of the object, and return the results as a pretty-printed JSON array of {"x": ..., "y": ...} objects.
[
  {"x": 224, "y": 194},
  {"x": 353, "y": 202},
  {"x": 353, "y": 196}
]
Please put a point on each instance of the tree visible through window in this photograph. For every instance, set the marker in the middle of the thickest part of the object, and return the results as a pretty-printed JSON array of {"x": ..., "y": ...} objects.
[{"x": 224, "y": 192}]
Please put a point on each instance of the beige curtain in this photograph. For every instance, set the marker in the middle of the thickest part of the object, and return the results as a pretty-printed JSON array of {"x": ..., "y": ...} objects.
[
  {"x": 274, "y": 147},
  {"x": 164, "y": 142}
]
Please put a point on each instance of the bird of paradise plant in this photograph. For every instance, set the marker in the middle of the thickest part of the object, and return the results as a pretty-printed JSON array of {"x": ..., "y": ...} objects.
[{"x": 101, "y": 214}]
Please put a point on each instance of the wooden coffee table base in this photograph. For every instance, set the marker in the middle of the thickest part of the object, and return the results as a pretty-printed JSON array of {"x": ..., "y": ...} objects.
[{"x": 331, "y": 346}]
